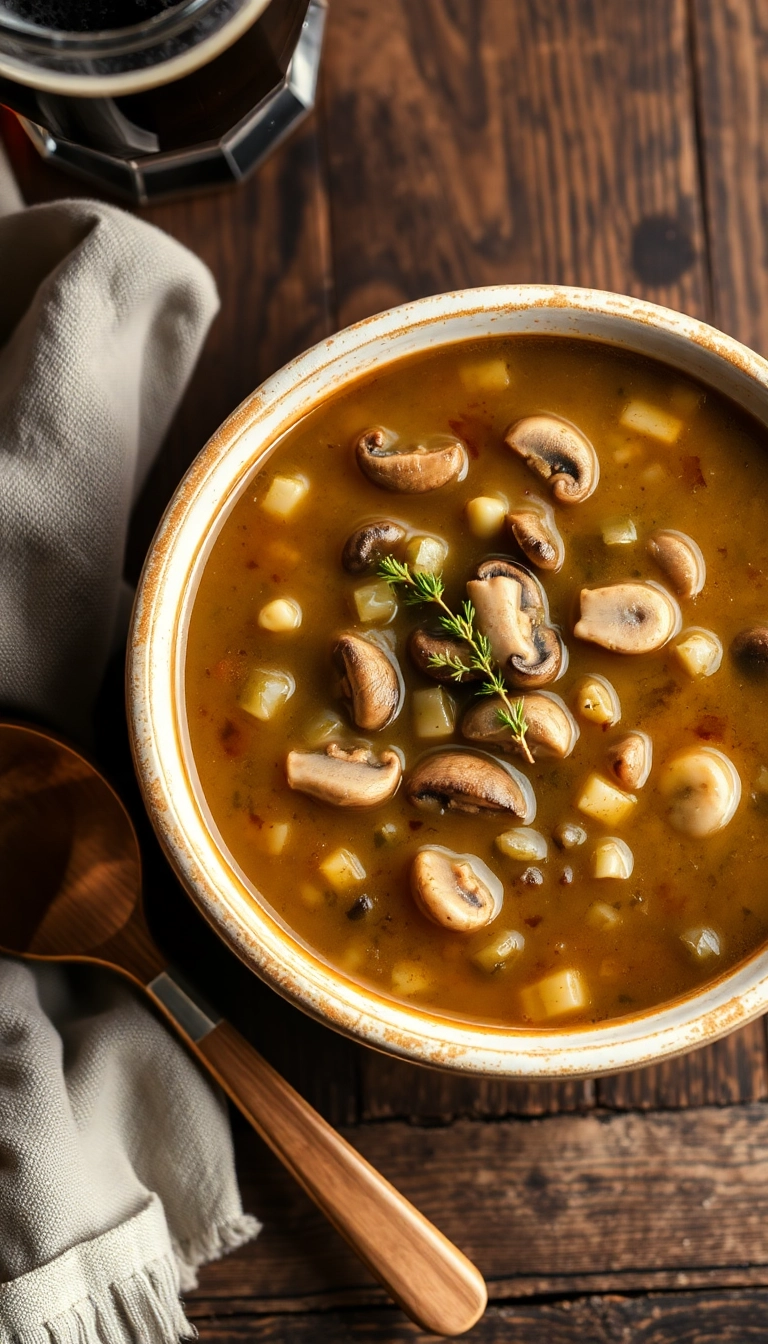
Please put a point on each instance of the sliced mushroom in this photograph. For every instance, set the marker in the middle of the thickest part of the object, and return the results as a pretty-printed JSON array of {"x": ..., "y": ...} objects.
[
  {"x": 702, "y": 789},
  {"x": 549, "y": 661},
  {"x": 458, "y": 891},
  {"x": 533, "y": 599},
  {"x": 558, "y": 452},
  {"x": 552, "y": 729},
  {"x": 750, "y": 648},
  {"x": 372, "y": 682},
  {"x": 344, "y": 778},
  {"x": 630, "y": 760},
  {"x": 423, "y": 646},
  {"x": 511, "y": 605},
  {"x": 413, "y": 470},
  {"x": 465, "y": 781},
  {"x": 497, "y": 600},
  {"x": 681, "y": 560},
  {"x": 535, "y": 531},
  {"x": 369, "y": 544},
  {"x": 628, "y": 617}
]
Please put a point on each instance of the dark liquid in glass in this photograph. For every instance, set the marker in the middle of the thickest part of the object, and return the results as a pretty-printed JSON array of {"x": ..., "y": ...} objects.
[{"x": 86, "y": 16}]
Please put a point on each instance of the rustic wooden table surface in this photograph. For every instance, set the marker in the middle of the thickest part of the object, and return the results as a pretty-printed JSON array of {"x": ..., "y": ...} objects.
[{"x": 472, "y": 142}]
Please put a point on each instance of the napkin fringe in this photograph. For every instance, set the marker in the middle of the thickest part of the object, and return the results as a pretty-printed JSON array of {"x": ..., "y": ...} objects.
[
  {"x": 143, "y": 1308},
  {"x": 213, "y": 1244}
]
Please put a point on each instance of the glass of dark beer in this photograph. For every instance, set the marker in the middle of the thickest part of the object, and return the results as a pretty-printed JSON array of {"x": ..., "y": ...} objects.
[{"x": 152, "y": 98}]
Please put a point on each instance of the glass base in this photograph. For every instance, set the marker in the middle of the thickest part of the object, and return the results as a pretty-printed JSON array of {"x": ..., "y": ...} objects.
[{"x": 150, "y": 176}]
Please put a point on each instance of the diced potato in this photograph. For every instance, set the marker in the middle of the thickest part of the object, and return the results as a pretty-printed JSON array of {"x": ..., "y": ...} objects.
[
  {"x": 610, "y": 968},
  {"x": 389, "y": 834},
  {"x": 602, "y": 916},
  {"x": 761, "y": 783},
  {"x": 522, "y": 843},
  {"x": 284, "y": 495},
  {"x": 323, "y": 728},
  {"x": 686, "y": 398},
  {"x": 352, "y": 958},
  {"x": 604, "y": 802},
  {"x": 628, "y": 452},
  {"x": 619, "y": 532},
  {"x": 426, "y": 555},
  {"x": 700, "y": 653},
  {"x": 434, "y": 713},
  {"x": 281, "y": 556},
  {"x": 653, "y": 475},
  {"x": 409, "y": 977},
  {"x": 562, "y": 992},
  {"x": 702, "y": 943},
  {"x": 500, "y": 949},
  {"x": 485, "y": 515},
  {"x": 265, "y": 692},
  {"x": 311, "y": 896},
  {"x": 596, "y": 701},
  {"x": 375, "y": 602},
  {"x": 612, "y": 858},
  {"x": 492, "y": 375},
  {"x": 342, "y": 869},
  {"x": 651, "y": 420},
  {"x": 280, "y": 615},
  {"x": 272, "y": 838}
]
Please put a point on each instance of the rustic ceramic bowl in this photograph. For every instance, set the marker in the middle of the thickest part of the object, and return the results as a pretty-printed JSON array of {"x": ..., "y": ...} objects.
[{"x": 161, "y": 745}]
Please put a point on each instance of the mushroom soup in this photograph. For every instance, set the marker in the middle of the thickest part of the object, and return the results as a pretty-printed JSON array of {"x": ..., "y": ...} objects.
[{"x": 477, "y": 676}]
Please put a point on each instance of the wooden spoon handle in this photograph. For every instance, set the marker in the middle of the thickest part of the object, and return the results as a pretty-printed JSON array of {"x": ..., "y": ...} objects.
[{"x": 434, "y": 1283}]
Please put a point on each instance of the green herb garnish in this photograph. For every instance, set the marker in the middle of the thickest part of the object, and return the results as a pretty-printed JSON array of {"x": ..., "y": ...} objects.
[{"x": 429, "y": 588}]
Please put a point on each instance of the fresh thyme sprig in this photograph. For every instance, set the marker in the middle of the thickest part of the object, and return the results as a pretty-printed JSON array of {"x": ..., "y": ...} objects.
[{"x": 428, "y": 588}]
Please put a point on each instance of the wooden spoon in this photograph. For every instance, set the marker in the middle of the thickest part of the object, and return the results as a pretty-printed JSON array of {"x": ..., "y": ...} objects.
[{"x": 71, "y": 891}]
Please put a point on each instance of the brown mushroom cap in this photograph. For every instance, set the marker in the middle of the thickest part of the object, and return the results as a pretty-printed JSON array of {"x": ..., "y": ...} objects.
[
  {"x": 500, "y": 617},
  {"x": 424, "y": 645},
  {"x": 628, "y": 617},
  {"x": 533, "y": 599},
  {"x": 465, "y": 781},
  {"x": 630, "y": 760},
  {"x": 681, "y": 559},
  {"x": 458, "y": 891},
  {"x": 372, "y": 682},
  {"x": 536, "y": 534},
  {"x": 511, "y": 605},
  {"x": 552, "y": 729},
  {"x": 750, "y": 648},
  {"x": 369, "y": 544},
  {"x": 415, "y": 470},
  {"x": 558, "y": 452},
  {"x": 548, "y": 663},
  {"x": 344, "y": 778}
]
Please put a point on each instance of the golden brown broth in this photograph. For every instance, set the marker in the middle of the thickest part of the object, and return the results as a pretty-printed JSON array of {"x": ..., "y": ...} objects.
[{"x": 711, "y": 484}]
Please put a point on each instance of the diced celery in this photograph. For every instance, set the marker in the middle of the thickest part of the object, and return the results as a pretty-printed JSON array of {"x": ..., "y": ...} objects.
[{"x": 265, "y": 692}]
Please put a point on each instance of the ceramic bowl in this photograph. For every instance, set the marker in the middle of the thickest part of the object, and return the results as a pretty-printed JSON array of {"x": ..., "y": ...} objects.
[{"x": 160, "y": 737}]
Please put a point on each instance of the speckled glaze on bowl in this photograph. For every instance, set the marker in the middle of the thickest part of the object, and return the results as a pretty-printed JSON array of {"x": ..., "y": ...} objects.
[{"x": 156, "y": 685}]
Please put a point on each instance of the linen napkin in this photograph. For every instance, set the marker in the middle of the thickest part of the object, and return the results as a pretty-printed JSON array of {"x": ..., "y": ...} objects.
[{"x": 116, "y": 1168}]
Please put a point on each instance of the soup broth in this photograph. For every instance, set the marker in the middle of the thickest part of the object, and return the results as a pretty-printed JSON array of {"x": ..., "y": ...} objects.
[{"x": 620, "y": 892}]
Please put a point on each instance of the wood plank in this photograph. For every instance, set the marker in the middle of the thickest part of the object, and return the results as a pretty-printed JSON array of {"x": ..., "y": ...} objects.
[
  {"x": 730, "y": 41},
  {"x": 549, "y": 140},
  {"x": 728, "y": 1072},
  {"x": 594, "y": 1201},
  {"x": 392, "y": 1089},
  {"x": 682, "y": 1318}
]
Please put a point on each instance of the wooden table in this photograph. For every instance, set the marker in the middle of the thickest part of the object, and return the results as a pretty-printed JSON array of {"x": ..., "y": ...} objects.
[{"x": 466, "y": 142}]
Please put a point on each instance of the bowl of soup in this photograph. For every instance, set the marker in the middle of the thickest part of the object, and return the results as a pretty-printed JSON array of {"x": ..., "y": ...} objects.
[{"x": 448, "y": 681}]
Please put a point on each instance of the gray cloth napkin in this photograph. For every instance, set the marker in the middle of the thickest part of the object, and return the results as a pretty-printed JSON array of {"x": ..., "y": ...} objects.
[{"x": 116, "y": 1168}]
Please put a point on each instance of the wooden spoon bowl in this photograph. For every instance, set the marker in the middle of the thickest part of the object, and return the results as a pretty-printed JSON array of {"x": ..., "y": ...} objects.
[{"x": 72, "y": 891}]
